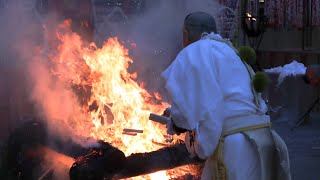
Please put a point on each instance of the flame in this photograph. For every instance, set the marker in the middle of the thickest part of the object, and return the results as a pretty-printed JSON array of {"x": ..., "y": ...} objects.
[
  {"x": 249, "y": 15},
  {"x": 161, "y": 175},
  {"x": 116, "y": 101}
]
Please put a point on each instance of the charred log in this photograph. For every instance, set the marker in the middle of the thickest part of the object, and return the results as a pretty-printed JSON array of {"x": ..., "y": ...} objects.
[
  {"x": 99, "y": 163},
  {"x": 27, "y": 146},
  {"x": 162, "y": 159},
  {"x": 95, "y": 166}
]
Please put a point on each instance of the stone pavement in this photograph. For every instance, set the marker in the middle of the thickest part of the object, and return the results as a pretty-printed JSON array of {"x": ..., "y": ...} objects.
[{"x": 303, "y": 146}]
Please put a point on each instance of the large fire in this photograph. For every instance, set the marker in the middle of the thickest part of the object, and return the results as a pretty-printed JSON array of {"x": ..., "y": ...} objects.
[{"x": 116, "y": 100}]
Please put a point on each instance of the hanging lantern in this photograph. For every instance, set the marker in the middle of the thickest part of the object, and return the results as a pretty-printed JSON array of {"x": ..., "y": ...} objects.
[{"x": 253, "y": 18}]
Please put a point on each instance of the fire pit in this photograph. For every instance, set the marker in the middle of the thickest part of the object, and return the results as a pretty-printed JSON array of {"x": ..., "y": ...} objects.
[
  {"x": 30, "y": 147},
  {"x": 108, "y": 106}
]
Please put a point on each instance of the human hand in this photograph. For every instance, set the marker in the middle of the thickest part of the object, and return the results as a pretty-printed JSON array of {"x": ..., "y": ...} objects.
[
  {"x": 173, "y": 129},
  {"x": 167, "y": 112},
  {"x": 170, "y": 127}
]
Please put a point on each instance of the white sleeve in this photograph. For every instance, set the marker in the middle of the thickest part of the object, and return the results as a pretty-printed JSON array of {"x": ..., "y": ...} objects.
[{"x": 196, "y": 98}]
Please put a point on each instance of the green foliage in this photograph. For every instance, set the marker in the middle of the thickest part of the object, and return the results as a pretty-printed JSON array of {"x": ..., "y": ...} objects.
[
  {"x": 260, "y": 81},
  {"x": 247, "y": 54}
]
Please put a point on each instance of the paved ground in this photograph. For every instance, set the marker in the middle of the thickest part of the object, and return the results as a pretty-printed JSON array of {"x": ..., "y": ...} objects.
[{"x": 304, "y": 148}]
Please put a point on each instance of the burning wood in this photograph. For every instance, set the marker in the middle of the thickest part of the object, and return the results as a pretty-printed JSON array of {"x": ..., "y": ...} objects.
[
  {"x": 162, "y": 159},
  {"x": 92, "y": 166},
  {"x": 158, "y": 118},
  {"x": 99, "y": 163},
  {"x": 136, "y": 164},
  {"x": 102, "y": 161},
  {"x": 115, "y": 94},
  {"x": 130, "y": 133},
  {"x": 132, "y": 130},
  {"x": 29, "y": 149},
  {"x": 117, "y": 98}
]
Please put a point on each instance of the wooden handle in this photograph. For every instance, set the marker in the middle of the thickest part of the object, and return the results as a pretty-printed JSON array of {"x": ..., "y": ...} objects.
[{"x": 159, "y": 119}]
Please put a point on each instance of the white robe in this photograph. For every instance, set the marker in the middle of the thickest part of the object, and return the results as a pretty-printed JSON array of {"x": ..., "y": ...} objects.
[{"x": 208, "y": 83}]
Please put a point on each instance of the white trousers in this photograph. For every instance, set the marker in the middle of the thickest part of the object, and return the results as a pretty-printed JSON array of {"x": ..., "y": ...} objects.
[{"x": 240, "y": 157}]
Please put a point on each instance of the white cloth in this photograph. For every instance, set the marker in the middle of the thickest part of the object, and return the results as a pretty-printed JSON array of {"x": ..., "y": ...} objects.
[{"x": 208, "y": 83}]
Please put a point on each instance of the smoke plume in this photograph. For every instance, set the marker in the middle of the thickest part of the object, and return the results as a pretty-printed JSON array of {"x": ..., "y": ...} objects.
[
  {"x": 157, "y": 33},
  {"x": 28, "y": 88},
  {"x": 20, "y": 34}
]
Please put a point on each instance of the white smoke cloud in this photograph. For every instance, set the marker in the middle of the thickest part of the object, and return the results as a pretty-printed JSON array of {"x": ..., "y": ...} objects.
[
  {"x": 27, "y": 81},
  {"x": 27, "y": 88},
  {"x": 157, "y": 33}
]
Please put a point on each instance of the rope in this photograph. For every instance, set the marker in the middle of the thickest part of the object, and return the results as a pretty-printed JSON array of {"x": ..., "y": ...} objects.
[{"x": 218, "y": 167}]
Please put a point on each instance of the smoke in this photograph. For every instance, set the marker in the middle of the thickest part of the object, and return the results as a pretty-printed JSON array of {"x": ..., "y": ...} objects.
[
  {"x": 56, "y": 163},
  {"x": 157, "y": 33},
  {"x": 55, "y": 102},
  {"x": 28, "y": 88},
  {"x": 157, "y": 36},
  {"x": 20, "y": 32}
]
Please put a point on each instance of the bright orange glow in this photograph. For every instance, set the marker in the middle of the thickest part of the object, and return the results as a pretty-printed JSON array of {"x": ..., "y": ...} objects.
[{"x": 119, "y": 101}]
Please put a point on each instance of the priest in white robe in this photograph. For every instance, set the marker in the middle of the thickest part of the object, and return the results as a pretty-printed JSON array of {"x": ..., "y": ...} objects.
[{"x": 213, "y": 101}]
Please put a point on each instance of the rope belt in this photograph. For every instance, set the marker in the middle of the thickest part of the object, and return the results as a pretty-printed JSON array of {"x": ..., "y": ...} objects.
[{"x": 219, "y": 168}]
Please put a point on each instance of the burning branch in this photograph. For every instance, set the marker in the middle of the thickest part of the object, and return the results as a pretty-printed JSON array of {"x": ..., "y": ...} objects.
[{"x": 132, "y": 130}]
